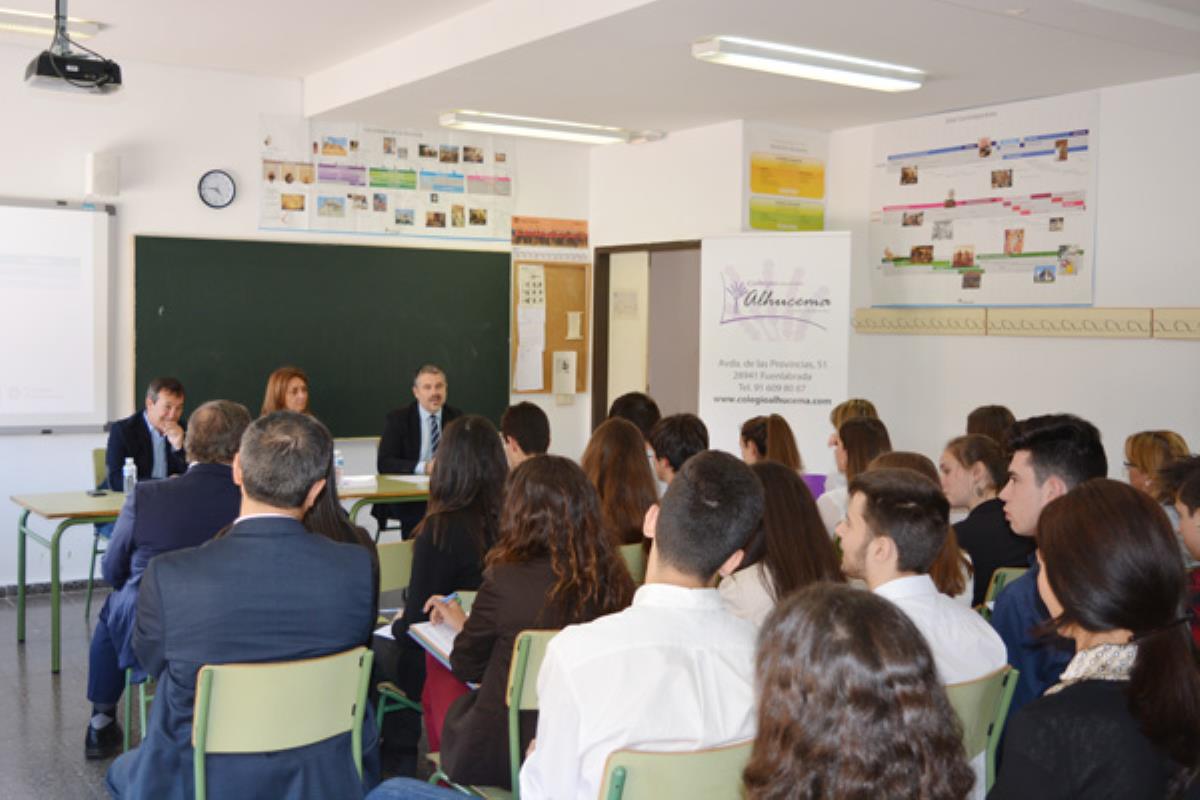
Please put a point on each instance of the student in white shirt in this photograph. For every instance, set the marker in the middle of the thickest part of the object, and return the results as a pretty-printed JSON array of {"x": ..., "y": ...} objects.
[
  {"x": 675, "y": 670},
  {"x": 897, "y": 522}
]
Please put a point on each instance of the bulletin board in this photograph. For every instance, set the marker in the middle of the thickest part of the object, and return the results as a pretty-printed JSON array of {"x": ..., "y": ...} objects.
[{"x": 567, "y": 291}]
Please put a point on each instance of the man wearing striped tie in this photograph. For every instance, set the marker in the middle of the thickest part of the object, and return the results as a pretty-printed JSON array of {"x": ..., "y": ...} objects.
[{"x": 410, "y": 440}]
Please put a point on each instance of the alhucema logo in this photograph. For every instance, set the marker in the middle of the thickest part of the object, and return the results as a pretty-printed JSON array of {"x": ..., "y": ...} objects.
[{"x": 764, "y": 298}]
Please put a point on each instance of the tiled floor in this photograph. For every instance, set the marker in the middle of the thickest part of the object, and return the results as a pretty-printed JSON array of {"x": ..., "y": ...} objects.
[{"x": 43, "y": 716}]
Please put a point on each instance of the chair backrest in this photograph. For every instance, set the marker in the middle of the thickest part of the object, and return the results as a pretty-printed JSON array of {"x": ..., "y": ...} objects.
[
  {"x": 982, "y": 706},
  {"x": 1001, "y": 577},
  {"x": 99, "y": 467},
  {"x": 466, "y": 599},
  {"x": 395, "y": 565},
  {"x": 263, "y": 708},
  {"x": 714, "y": 774},
  {"x": 635, "y": 559},
  {"x": 529, "y": 650}
]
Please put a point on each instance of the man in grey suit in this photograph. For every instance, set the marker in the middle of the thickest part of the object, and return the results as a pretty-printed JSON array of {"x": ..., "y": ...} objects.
[{"x": 269, "y": 590}]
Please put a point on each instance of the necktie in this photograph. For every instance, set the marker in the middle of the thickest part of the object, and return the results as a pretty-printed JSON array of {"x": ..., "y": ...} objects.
[{"x": 435, "y": 435}]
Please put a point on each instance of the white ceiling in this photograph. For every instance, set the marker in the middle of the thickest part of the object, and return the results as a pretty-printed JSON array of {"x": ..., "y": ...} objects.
[{"x": 633, "y": 68}]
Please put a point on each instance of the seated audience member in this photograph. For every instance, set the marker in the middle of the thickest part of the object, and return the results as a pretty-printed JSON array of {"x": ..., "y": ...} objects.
[
  {"x": 993, "y": 422},
  {"x": 847, "y": 409},
  {"x": 951, "y": 571},
  {"x": 615, "y": 462},
  {"x": 675, "y": 670},
  {"x": 1124, "y": 718},
  {"x": 770, "y": 438},
  {"x": 153, "y": 437},
  {"x": 268, "y": 591},
  {"x": 897, "y": 523},
  {"x": 973, "y": 468},
  {"x": 159, "y": 516},
  {"x": 287, "y": 390},
  {"x": 551, "y": 567},
  {"x": 1146, "y": 453},
  {"x": 410, "y": 441},
  {"x": 857, "y": 442},
  {"x": 642, "y": 411},
  {"x": 1182, "y": 478},
  {"x": 674, "y": 440},
  {"x": 525, "y": 430},
  {"x": 789, "y": 551},
  {"x": 1051, "y": 455},
  {"x": 465, "y": 494},
  {"x": 849, "y": 705}
]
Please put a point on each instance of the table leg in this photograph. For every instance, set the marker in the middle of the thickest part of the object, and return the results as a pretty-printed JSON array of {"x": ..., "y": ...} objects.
[
  {"x": 56, "y": 597},
  {"x": 21, "y": 522},
  {"x": 354, "y": 509}
]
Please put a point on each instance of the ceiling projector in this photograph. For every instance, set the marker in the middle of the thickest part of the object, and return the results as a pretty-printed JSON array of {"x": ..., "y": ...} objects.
[{"x": 65, "y": 69}]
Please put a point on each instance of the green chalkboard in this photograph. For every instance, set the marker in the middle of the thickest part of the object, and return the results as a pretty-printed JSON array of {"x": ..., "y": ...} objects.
[{"x": 222, "y": 315}]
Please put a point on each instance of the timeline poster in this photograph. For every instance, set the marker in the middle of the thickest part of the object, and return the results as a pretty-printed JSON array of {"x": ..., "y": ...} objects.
[
  {"x": 774, "y": 335},
  {"x": 785, "y": 178},
  {"x": 990, "y": 206}
]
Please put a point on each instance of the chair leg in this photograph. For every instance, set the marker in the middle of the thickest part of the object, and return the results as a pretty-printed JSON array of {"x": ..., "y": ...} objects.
[
  {"x": 143, "y": 701},
  {"x": 87, "y": 606},
  {"x": 128, "y": 708}
]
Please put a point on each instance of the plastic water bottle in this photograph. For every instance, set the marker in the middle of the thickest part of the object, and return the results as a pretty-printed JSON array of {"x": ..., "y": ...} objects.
[
  {"x": 129, "y": 475},
  {"x": 339, "y": 467}
]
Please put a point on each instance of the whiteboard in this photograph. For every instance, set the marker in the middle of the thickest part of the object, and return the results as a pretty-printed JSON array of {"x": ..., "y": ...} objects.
[{"x": 54, "y": 302}]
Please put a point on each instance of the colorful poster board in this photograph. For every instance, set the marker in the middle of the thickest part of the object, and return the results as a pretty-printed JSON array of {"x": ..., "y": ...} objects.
[
  {"x": 785, "y": 178},
  {"x": 350, "y": 178},
  {"x": 774, "y": 335},
  {"x": 991, "y": 206}
]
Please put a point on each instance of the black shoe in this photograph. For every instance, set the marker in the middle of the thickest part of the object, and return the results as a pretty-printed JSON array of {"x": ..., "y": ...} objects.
[{"x": 103, "y": 742}]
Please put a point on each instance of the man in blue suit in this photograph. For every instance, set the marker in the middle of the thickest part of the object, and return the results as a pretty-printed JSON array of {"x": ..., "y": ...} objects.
[
  {"x": 158, "y": 516},
  {"x": 152, "y": 437},
  {"x": 269, "y": 590}
]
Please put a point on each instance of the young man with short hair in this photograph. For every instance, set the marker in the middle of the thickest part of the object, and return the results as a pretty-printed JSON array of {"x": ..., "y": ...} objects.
[
  {"x": 525, "y": 431},
  {"x": 674, "y": 440},
  {"x": 675, "y": 670},
  {"x": 1051, "y": 455}
]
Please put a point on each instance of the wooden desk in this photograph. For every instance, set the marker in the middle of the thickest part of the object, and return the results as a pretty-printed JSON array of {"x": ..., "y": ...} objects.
[
  {"x": 384, "y": 490},
  {"x": 73, "y": 508}
]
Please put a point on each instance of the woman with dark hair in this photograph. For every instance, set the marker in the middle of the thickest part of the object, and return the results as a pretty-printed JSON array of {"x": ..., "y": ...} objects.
[
  {"x": 1124, "y": 719},
  {"x": 973, "y": 470},
  {"x": 616, "y": 464},
  {"x": 858, "y": 440},
  {"x": 770, "y": 438},
  {"x": 287, "y": 390},
  {"x": 551, "y": 567},
  {"x": 849, "y": 705},
  {"x": 789, "y": 551},
  {"x": 992, "y": 422},
  {"x": 951, "y": 571}
]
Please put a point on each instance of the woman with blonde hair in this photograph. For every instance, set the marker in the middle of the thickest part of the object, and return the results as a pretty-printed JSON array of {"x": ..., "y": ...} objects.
[
  {"x": 1147, "y": 452},
  {"x": 287, "y": 390}
]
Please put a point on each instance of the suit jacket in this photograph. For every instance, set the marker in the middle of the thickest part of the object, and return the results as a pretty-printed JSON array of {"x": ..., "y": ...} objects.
[
  {"x": 158, "y": 517},
  {"x": 1018, "y": 613},
  {"x": 130, "y": 437},
  {"x": 268, "y": 591},
  {"x": 400, "y": 446},
  {"x": 986, "y": 536}
]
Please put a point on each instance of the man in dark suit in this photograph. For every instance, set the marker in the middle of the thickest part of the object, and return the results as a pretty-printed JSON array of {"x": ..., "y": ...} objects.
[
  {"x": 159, "y": 516},
  {"x": 267, "y": 591},
  {"x": 153, "y": 437},
  {"x": 410, "y": 440}
]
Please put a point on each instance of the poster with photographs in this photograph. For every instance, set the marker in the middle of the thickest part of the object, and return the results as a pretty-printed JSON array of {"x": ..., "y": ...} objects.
[
  {"x": 785, "y": 178},
  {"x": 349, "y": 178},
  {"x": 989, "y": 206}
]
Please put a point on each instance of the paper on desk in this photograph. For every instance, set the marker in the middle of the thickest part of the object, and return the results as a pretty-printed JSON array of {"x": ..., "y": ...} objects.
[
  {"x": 356, "y": 481},
  {"x": 531, "y": 326},
  {"x": 528, "y": 372},
  {"x": 419, "y": 480}
]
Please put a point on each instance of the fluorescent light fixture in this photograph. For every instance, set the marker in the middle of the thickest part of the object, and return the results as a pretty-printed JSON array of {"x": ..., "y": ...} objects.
[
  {"x": 486, "y": 122},
  {"x": 814, "y": 65},
  {"x": 33, "y": 23}
]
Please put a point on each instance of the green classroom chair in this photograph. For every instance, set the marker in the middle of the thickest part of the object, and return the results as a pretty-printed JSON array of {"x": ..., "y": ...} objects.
[
  {"x": 1001, "y": 578},
  {"x": 982, "y": 706},
  {"x": 395, "y": 573},
  {"x": 714, "y": 773},
  {"x": 635, "y": 559},
  {"x": 252, "y": 708},
  {"x": 99, "y": 478},
  {"x": 529, "y": 650},
  {"x": 145, "y": 689}
]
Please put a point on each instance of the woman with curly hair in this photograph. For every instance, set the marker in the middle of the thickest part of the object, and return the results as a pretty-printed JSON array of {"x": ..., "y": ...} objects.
[
  {"x": 552, "y": 567},
  {"x": 849, "y": 705}
]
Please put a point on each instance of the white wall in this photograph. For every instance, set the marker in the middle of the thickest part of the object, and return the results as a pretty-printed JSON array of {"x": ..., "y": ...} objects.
[
  {"x": 1146, "y": 255},
  {"x": 169, "y": 125},
  {"x": 628, "y": 326}
]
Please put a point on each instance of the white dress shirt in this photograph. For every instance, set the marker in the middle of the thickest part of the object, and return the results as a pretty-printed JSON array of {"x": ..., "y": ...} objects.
[
  {"x": 964, "y": 646},
  {"x": 674, "y": 671},
  {"x": 747, "y": 593}
]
